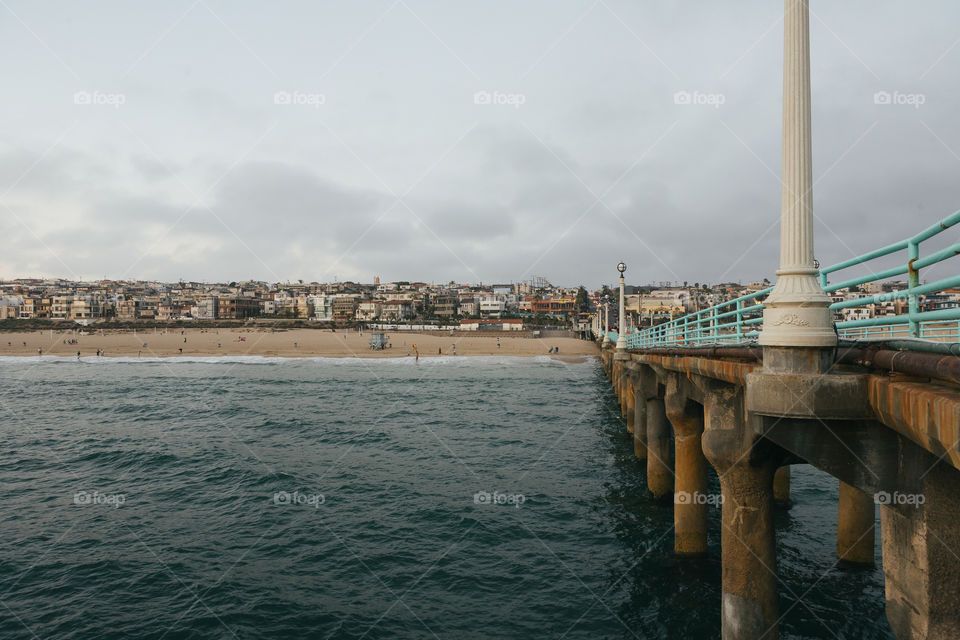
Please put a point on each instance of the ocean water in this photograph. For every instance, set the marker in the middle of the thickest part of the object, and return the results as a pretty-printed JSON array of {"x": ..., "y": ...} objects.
[{"x": 319, "y": 498}]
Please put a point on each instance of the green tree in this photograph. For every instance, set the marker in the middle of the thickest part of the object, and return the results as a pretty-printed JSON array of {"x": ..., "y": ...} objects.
[{"x": 582, "y": 303}]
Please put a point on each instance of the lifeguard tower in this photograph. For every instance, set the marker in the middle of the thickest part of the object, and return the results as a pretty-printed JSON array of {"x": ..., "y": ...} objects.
[{"x": 378, "y": 341}]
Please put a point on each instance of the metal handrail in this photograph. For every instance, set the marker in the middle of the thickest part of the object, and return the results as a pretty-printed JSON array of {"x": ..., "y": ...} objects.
[{"x": 728, "y": 322}]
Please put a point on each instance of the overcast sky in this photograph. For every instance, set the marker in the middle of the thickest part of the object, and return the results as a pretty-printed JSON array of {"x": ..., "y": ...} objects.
[{"x": 472, "y": 141}]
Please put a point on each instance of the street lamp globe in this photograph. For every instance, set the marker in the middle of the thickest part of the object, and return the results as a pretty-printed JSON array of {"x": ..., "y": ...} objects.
[{"x": 621, "y": 267}]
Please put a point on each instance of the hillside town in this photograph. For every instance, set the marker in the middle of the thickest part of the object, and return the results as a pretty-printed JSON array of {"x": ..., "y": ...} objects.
[{"x": 397, "y": 304}]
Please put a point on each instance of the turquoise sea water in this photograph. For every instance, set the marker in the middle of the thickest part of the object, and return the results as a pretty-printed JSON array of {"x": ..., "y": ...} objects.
[{"x": 450, "y": 498}]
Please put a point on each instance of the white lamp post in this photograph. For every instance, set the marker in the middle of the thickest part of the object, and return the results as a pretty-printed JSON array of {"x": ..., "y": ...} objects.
[
  {"x": 797, "y": 311},
  {"x": 606, "y": 319},
  {"x": 622, "y": 331}
]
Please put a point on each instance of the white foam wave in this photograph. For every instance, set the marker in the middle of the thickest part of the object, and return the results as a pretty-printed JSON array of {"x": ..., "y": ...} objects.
[{"x": 400, "y": 361}]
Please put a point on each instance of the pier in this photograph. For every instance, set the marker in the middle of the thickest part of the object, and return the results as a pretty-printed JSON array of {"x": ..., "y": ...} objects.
[{"x": 757, "y": 384}]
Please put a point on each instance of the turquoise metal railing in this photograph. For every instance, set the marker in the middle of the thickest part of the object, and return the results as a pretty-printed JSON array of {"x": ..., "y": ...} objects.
[{"x": 740, "y": 320}]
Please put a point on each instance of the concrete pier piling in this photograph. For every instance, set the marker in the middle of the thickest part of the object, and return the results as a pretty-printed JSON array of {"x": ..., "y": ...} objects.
[
  {"x": 630, "y": 405},
  {"x": 690, "y": 493},
  {"x": 748, "y": 557},
  {"x": 659, "y": 451},
  {"x": 640, "y": 427},
  {"x": 856, "y": 515},
  {"x": 781, "y": 487}
]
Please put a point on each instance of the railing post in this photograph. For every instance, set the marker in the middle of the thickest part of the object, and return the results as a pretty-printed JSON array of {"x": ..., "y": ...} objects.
[
  {"x": 739, "y": 320},
  {"x": 913, "y": 252}
]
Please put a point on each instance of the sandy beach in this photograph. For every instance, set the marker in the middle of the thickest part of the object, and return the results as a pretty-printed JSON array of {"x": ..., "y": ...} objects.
[{"x": 289, "y": 343}]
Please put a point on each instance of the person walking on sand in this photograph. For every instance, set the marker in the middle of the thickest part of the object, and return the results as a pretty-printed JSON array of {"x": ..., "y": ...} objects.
[
  {"x": 78, "y": 355},
  {"x": 454, "y": 349}
]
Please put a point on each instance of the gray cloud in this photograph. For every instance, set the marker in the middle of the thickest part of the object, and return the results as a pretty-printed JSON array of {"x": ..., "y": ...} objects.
[{"x": 199, "y": 174}]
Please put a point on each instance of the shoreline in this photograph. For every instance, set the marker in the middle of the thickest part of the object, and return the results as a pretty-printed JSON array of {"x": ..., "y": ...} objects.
[
  {"x": 256, "y": 359},
  {"x": 291, "y": 343}
]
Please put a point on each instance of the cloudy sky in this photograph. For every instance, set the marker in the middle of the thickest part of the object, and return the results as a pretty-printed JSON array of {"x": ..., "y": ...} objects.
[{"x": 470, "y": 141}]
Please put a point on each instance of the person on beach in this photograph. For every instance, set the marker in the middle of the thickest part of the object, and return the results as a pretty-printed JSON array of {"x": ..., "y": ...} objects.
[
  {"x": 78, "y": 355},
  {"x": 454, "y": 349},
  {"x": 39, "y": 352}
]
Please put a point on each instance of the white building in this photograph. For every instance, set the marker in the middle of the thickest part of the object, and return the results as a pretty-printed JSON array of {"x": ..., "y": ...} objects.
[{"x": 322, "y": 307}]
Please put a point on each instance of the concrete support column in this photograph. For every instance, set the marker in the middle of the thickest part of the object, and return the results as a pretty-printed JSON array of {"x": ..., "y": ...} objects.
[
  {"x": 781, "y": 487},
  {"x": 630, "y": 405},
  {"x": 690, "y": 488},
  {"x": 625, "y": 393},
  {"x": 749, "y": 563},
  {"x": 856, "y": 515},
  {"x": 749, "y": 557},
  {"x": 921, "y": 536},
  {"x": 640, "y": 424},
  {"x": 659, "y": 451}
]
